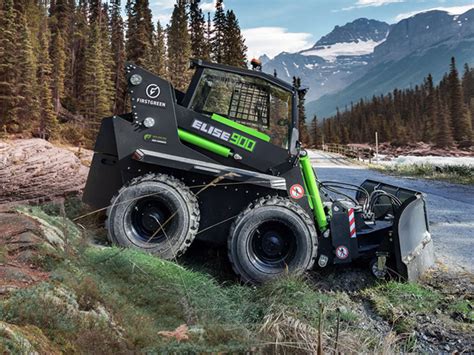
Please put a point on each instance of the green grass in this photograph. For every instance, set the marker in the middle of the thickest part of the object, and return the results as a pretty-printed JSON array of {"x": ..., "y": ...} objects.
[
  {"x": 400, "y": 303},
  {"x": 462, "y": 309},
  {"x": 113, "y": 300},
  {"x": 145, "y": 295},
  {"x": 460, "y": 174}
]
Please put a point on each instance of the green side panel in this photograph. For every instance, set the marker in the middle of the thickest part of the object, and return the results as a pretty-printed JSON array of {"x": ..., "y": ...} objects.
[
  {"x": 241, "y": 127},
  {"x": 204, "y": 143},
  {"x": 313, "y": 192}
]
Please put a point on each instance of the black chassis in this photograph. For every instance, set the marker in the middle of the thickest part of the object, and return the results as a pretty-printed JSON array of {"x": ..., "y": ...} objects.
[{"x": 126, "y": 149}]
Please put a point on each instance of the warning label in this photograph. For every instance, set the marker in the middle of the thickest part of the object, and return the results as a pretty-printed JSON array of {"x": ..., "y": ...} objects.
[
  {"x": 342, "y": 252},
  {"x": 296, "y": 191}
]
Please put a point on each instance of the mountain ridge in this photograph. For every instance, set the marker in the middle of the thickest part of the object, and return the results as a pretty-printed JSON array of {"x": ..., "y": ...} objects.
[{"x": 358, "y": 62}]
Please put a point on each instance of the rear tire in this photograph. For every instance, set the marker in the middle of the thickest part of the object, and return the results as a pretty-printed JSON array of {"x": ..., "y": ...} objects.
[
  {"x": 272, "y": 237},
  {"x": 154, "y": 213}
]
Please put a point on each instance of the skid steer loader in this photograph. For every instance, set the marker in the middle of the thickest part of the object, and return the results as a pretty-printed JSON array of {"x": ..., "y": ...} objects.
[{"x": 222, "y": 162}]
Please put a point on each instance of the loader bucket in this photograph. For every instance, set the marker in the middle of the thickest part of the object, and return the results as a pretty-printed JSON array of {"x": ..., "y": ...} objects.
[{"x": 412, "y": 242}]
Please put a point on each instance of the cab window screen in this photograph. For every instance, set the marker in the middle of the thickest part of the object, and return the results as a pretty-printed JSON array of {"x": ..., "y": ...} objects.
[{"x": 250, "y": 101}]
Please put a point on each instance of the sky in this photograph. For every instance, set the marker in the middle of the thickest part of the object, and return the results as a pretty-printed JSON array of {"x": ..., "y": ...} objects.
[{"x": 274, "y": 26}]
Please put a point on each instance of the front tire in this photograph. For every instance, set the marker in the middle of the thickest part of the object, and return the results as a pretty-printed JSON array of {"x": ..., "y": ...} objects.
[
  {"x": 273, "y": 236},
  {"x": 154, "y": 213}
]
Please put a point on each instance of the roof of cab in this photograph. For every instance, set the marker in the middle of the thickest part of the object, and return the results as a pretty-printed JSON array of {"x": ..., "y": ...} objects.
[{"x": 242, "y": 71}]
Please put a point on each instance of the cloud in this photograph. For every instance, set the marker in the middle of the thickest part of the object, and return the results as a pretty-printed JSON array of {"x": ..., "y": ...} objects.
[
  {"x": 453, "y": 10},
  {"x": 164, "y": 4},
  {"x": 371, "y": 3},
  {"x": 274, "y": 40},
  {"x": 161, "y": 10},
  {"x": 209, "y": 6}
]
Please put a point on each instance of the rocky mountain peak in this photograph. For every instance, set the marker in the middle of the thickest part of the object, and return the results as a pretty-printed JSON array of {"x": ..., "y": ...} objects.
[{"x": 362, "y": 29}]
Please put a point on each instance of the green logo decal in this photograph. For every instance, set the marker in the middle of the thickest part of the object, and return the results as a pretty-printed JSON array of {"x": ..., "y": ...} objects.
[
  {"x": 154, "y": 138},
  {"x": 242, "y": 142}
]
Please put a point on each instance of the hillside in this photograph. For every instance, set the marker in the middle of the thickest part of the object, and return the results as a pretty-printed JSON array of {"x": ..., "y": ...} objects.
[{"x": 62, "y": 292}]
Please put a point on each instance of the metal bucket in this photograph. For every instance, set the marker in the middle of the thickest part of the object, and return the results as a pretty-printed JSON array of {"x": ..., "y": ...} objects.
[{"x": 411, "y": 238}]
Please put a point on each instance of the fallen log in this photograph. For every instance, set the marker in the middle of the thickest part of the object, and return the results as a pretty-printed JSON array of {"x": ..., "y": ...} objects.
[{"x": 33, "y": 170}]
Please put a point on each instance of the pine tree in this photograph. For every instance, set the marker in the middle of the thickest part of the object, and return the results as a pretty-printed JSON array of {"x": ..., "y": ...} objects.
[
  {"x": 58, "y": 59},
  {"x": 462, "y": 130},
  {"x": 27, "y": 84},
  {"x": 62, "y": 27},
  {"x": 179, "y": 47},
  {"x": 430, "y": 111},
  {"x": 468, "y": 84},
  {"x": 48, "y": 124},
  {"x": 95, "y": 100},
  {"x": 199, "y": 43},
  {"x": 316, "y": 132},
  {"x": 468, "y": 88},
  {"x": 118, "y": 55},
  {"x": 444, "y": 138},
  {"x": 106, "y": 53},
  {"x": 8, "y": 70},
  {"x": 160, "y": 51},
  {"x": 78, "y": 54},
  {"x": 234, "y": 48},
  {"x": 218, "y": 40},
  {"x": 140, "y": 30}
]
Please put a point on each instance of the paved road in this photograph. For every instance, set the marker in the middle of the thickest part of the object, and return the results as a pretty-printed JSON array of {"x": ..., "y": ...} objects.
[{"x": 450, "y": 206}]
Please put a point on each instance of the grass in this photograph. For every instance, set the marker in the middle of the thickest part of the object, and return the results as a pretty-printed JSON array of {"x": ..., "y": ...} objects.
[
  {"x": 144, "y": 295},
  {"x": 460, "y": 174},
  {"x": 463, "y": 310},
  {"x": 113, "y": 300},
  {"x": 400, "y": 303}
]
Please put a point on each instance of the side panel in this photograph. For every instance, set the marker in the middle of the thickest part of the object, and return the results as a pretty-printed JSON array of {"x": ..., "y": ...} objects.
[{"x": 105, "y": 177}]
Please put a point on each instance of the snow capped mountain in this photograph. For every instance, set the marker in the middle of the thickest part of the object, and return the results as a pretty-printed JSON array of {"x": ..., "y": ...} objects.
[
  {"x": 356, "y": 38},
  {"x": 361, "y": 29},
  {"x": 331, "y": 52},
  {"x": 334, "y": 61},
  {"x": 413, "y": 48},
  {"x": 368, "y": 57}
]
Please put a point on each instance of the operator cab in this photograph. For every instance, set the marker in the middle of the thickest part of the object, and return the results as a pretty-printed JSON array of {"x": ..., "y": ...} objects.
[{"x": 251, "y": 98}]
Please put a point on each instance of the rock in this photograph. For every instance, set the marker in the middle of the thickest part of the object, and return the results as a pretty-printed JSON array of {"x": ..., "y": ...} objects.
[
  {"x": 25, "y": 340},
  {"x": 35, "y": 170},
  {"x": 13, "y": 224},
  {"x": 10, "y": 273},
  {"x": 5, "y": 289}
]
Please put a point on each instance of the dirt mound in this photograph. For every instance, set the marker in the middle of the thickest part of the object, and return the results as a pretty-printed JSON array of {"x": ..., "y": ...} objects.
[{"x": 33, "y": 170}]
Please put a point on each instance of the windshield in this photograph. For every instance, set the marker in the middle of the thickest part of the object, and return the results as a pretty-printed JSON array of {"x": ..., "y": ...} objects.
[{"x": 250, "y": 101}]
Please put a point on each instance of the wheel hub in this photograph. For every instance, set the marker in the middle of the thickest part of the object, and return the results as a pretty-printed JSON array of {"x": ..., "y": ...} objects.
[
  {"x": 272, "y": 244},
  {"x": 152, "y": 219},
  {"x": 148, "y": 217}
]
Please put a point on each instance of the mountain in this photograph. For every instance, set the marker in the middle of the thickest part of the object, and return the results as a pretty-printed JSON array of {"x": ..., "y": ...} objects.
[
  {"x": 335, "y": 61},
  {"x": 361, "y": 29},
  {"x": 414, "y": 47}
]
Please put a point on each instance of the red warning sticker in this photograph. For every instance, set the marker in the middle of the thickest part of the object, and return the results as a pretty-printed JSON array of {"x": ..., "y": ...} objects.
[
  {"x": 296, "y": 191},
  {"x": 342, "y": 252}
]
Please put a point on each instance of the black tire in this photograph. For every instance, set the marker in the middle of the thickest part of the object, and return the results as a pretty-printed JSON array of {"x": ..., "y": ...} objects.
[
  {"x": 272, "y": 237},
  {"x": 154, "y": 213}
]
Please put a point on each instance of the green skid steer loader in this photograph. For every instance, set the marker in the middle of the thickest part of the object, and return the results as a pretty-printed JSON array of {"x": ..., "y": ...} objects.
[{"x": 223, "y": 163}]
